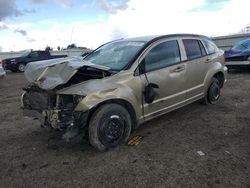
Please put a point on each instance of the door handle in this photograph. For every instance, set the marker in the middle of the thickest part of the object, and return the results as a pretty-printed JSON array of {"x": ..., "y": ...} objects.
[
  {"x": 178, "y": 69},
  {"x": 208, "y": 60}
]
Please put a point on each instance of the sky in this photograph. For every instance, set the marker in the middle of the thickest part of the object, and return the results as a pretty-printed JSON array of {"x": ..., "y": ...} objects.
[{"x": 34, "y": 24}]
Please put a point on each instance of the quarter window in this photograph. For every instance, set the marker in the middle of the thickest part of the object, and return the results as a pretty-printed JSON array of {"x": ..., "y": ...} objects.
[
  {"x": 210, "y": 46},
  {"x": 162, "y": 55},
  {"x": 203, "y": 51},
  {"x": 192, "y": 48}
]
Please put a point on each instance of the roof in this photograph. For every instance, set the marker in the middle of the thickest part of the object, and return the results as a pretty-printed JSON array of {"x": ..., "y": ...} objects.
[{"x": 156, "y": 37}]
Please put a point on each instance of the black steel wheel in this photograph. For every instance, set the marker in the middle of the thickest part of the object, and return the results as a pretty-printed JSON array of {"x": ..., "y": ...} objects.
[
  {"x": 213, "y": 94},
  {"x": 109, "y": 126}
]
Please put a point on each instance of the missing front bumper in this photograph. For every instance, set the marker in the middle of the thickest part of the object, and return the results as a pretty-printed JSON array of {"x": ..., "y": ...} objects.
[{"x": 32, "y": 114}]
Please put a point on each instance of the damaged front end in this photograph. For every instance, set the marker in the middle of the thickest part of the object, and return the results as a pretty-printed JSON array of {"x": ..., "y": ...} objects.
[
  {"x": 54, "y": 110},
  {"x": 42, "y": 100}
]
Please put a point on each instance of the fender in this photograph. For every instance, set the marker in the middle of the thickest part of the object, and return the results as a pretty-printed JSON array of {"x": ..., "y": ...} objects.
[
  {"x": 217, "y": 67},
  {"x": 121, "y": 93},
  {"x": 124, "y": 87}
]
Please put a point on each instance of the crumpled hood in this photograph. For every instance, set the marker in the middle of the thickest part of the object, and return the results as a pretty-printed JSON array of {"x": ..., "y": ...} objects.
[{"x": 50, "y": 73}]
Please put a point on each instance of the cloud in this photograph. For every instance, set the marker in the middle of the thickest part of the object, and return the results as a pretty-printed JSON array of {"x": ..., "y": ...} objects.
[
  {"x": 3, "y": 26},
  {"x": 29, "y": 11},
  {"x": 117, "y": 33},
  {"x": 140, "y": 18},
  {"x": 65, "y": 3},
  {"x": 111, "y": 6},
  {"x": 21, "y": 31},
  {"x": 38, "y": 1},
  {"x": 30, "y": 40},
  {"x": 8, "y": 8},
  {"x": 62, "y": 3},
  {"x": 162, "y": 17}
]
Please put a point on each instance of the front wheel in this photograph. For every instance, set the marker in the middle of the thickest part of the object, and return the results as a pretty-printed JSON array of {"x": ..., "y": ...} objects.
[
  {"x": 109, "y": 126},
  {"x": 21, "y": 67}
]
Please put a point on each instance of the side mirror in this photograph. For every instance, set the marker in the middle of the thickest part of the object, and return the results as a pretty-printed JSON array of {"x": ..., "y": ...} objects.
[{"x": 149, "y": 92}]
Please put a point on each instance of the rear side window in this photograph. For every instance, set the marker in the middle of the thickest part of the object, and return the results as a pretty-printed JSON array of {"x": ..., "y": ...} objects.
[
  {"x": 43, "y": 53},
  {"x": 33, "y": 54},
  {"x": 210, "y": 46},
  {"x": 162, "y": 55},
  {"x": 193, "y": 48}
]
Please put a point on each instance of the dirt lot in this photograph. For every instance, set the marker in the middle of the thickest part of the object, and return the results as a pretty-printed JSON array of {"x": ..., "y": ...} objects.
[{"x": 31, "y": 156}]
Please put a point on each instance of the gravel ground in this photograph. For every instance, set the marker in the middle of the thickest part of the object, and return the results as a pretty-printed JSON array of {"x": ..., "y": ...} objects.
[{"x": 167, "y": 156}]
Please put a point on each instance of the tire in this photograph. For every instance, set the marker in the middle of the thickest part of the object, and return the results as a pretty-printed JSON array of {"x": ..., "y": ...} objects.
[
  {"x": 109, "y": 126},
  {"x": 213, "y": 92},
  {"x": 21, "y": 67}
]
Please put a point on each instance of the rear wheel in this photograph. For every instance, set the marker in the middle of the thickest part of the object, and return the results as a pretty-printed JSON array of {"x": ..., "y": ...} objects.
[
  {"x": 21, "y": 67},
  {"x": 213, "y": 92},
  {"x": 109, "y": 126}
]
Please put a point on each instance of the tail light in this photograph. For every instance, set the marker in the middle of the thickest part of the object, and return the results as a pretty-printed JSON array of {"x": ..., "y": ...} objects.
[{"x": 1, "y": 61}]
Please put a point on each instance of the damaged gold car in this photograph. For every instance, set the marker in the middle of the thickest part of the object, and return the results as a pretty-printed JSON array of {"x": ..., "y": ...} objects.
[{"x": 123, "y": 84}]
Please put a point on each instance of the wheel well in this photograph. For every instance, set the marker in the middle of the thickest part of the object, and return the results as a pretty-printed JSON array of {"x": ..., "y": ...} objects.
[
  {"x": 121, "y": 102},
  {"x": 220, "y": 77}
]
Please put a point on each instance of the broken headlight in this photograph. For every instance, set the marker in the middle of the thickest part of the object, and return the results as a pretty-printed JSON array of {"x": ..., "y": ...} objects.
[
  {"x": 72, "y": 100},
  {"x": 77, "y": 98}
]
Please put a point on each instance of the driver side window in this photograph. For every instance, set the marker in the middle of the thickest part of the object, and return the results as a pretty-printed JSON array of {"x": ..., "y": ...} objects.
[{"x": 163, "y": 55}]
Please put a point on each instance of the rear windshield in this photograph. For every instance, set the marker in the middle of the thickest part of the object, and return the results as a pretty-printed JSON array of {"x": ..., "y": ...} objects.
[{"x": 115, "y": 55}]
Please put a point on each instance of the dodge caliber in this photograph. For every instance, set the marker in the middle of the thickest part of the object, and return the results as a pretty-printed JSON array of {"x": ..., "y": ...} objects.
[{"x": 122, "y": 84}]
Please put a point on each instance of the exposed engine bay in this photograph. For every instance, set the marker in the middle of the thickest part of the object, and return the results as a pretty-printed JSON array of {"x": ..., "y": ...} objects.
[{"x": 52, "y": 108}]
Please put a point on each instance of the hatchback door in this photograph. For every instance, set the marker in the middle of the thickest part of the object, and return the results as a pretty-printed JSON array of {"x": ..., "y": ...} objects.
[{"x": 163, "y": 67}]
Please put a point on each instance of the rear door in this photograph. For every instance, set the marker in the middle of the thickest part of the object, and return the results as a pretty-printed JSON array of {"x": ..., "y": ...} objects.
[
  {"x": 33, "y": 56},
  {"x": 163, "y": 67},
  {"x": 197, "y": 66},
  {"x": 43, "y": 55}
]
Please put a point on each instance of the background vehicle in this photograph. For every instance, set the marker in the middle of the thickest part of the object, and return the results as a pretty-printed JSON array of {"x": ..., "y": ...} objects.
[
  {"x": 19, "y": 63},
  {"x": 123, "y": 84},
  {"x": 2, "y": 72},
  {"x": 239, "y": 55}
]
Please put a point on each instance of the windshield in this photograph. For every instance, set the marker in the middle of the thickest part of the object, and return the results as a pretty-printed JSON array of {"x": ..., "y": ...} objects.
[
  {"x": 25, "y": 53},
  {"x": 115, "y": 55}
]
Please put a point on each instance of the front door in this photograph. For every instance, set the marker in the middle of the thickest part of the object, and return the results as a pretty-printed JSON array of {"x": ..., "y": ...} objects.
[{"x": 163, "y": 67}]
